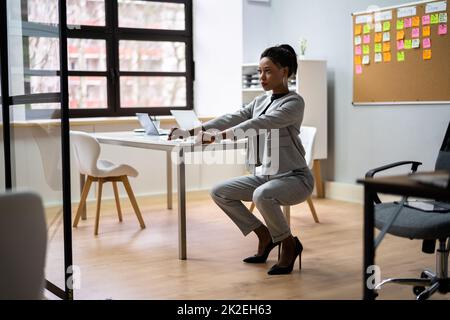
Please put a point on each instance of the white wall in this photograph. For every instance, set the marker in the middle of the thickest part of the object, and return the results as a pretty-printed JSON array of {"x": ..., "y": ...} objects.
[
  {"x": 218, "y": 56},
  {"x": 359, "y": 137}
]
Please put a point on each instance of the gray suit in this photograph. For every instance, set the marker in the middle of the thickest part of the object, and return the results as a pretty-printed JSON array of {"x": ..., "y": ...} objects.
[{"x": 281, "y": 152}]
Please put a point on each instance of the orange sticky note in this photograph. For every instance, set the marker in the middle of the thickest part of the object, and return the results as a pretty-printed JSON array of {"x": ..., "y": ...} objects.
[
  {"x": 416, "y": 22},
  {"x": 358, "y": 60},
  {"x": 400, "y": 35},
  {"x": 387, "y": 57},
  {"x": 426, "y": 31},
  {"x": 386, "y": 46},
  {"x": 378, "y": 37},
  {"x": 427, "y": 54},
  {"x": 358, "y": 29}
]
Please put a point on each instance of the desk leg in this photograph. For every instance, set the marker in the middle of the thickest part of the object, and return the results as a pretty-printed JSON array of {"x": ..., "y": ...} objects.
[
  {"x": 82, "y": 182},
  {"x": 169, "y": 179},
  {"x": 181, "y": 185},
  {"x": 369, "y": 250}
]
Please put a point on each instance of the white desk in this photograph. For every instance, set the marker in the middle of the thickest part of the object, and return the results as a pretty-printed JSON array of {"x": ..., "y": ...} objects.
[{"x": 179, "y": 147}]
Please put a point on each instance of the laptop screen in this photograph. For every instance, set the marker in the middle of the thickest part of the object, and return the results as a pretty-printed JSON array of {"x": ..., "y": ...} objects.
[{"x": 147, "y": 124}]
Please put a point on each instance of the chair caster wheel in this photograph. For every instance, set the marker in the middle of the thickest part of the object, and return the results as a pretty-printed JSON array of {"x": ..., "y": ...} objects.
[{"x": 418, "y": 290}]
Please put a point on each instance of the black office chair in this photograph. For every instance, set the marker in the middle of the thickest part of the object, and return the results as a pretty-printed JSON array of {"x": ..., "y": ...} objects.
[{"x": 403, "y": 221}]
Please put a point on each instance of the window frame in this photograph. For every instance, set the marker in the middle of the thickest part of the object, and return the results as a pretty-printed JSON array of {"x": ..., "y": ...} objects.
[{"x": 113, "y": 34}]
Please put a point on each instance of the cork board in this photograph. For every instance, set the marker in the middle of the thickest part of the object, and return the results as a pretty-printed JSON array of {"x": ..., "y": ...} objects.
[{"x": 408, "y": 77}]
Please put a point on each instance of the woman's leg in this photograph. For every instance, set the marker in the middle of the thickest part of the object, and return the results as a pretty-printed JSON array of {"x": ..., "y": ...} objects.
[
  {"x": 228, "y": 195},
  {"x": 282, "y": 191}
]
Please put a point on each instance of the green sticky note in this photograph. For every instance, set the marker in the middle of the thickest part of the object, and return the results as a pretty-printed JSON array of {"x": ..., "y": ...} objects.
[
  {"x": 435, "y": 18},
  {"x": 401, "y": 56},
  {"x": 400, "y": 24},
  {"x": 366, "y": 49},
  {"x": 408, "y": 44},
  {"x": 366, "y": 28},
  {"x": 378, "y": 47},
  {"x": 386, "y": 26}
]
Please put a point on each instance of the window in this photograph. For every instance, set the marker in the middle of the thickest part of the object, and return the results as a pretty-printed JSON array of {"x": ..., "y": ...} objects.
[{"x": 124, "y": 56}]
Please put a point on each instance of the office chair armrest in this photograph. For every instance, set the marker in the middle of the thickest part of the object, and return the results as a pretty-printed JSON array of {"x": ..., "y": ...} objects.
[
  {"x": 371, "y": 173},
  {"x": 414, "y": 166}
]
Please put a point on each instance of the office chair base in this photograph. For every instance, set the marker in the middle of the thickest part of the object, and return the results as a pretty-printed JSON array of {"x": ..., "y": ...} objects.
[{"x": 429, "y": 282}]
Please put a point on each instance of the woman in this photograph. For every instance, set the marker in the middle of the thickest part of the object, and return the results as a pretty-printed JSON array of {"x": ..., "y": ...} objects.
[{"x": 286, "y": 180}]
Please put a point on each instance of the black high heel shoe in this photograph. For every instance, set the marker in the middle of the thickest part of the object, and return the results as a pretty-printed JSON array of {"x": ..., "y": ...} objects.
[
  {"x": 263, "y": 257},
  {"x": 285, "y": 270}
]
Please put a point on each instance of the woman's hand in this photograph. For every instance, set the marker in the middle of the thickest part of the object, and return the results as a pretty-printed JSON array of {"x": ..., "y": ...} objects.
[
  {"x": 176, "y": 133},
  {"x": 205, "y": 137}
]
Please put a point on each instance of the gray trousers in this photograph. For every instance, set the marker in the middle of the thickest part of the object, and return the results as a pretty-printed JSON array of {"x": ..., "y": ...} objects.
[{"x": 268, "y": 193}]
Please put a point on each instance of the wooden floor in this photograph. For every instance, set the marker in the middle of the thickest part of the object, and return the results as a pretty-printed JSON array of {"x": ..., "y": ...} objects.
[{"x": 125, "y": 262}]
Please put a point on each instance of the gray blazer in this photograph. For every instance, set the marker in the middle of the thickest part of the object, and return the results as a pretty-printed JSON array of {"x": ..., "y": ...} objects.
[{"x": 286, "y": 115}]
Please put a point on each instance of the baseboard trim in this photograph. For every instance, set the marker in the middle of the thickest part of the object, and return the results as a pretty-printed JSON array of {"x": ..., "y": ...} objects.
[{"x": 350, "y": 192}]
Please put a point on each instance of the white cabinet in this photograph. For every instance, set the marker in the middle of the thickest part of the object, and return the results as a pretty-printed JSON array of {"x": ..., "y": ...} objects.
[{"x": 311, "y": 84}]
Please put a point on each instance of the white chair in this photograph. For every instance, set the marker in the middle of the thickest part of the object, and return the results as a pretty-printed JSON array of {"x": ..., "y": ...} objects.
[
  {"x": 87, "y": 152},
  {"x": 307, "y": 136},
  {"x": 23, "y": 246}
]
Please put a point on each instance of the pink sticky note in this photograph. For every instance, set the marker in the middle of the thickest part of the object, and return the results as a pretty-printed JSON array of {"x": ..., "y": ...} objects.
[
  {"x": 415, "y": 32},
  {"x": 358, "y": 50},
  {"x": 442, "y": 29},
  {"x": 407, "y": 22},
  {"x": 427, "y": 43},
  {"x": 366, "y": 38},
  {"x": 426, "y": 19},
  {"x": 358, "y": 69},
  {"x": 400, "y": 45}
]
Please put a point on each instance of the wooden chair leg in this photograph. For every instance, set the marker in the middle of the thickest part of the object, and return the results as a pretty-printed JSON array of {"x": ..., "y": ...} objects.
[
  {"x": 313, "y": 210},
  {"x": 82, "y": 203},
  {"x": 252, "y": 207},
  {"x": 133, "y": 201},
  {"x": 116, "y": 196},
  {"x": 99, "y": 200}
]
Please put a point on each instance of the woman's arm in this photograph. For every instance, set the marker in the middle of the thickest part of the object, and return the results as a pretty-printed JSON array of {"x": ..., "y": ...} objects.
[{"x": 289, "y": 113}]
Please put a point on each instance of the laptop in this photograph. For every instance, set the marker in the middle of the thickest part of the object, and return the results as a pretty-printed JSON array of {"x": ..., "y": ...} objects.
[
  {"x": 149, "y": 126},
  {"x": 186, "y": 119}
]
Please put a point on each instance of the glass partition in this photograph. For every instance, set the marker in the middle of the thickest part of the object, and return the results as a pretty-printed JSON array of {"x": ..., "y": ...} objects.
[
  {"x": 2, "y": 148},
  {"x": 37, "y": 165}
]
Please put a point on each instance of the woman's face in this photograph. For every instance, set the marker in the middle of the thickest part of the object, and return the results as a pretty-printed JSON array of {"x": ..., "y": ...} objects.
[{"x": 271, "y": 76}]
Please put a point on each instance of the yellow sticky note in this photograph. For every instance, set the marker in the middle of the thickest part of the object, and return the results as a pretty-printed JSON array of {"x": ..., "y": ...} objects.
[
  {"x": 358, "y": 29},
  {"x": 366, "y": 49},
  {"x": 400, "y": 35},
  {"x": 408, "y": 44},
  {"x": 401, "y": 56},
  {"x": 400, "y": 24},
  {"x": 426, "y": 31},
  {"x": 366, "y": 29},
  {"x": 386, "y": 26},
  {"x": 435, "y": 18},
  {"x": 378, "y": 37},
  {"x": 386, "y": 46},
  {"x": 378, "y": 47},
  {"x": 427, "y": 54},
  {"x": 387, "y": 57},
  {"x": 416, "y": 21},
  {"x": 358, "y": 60}
]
